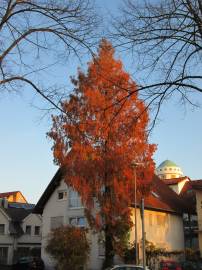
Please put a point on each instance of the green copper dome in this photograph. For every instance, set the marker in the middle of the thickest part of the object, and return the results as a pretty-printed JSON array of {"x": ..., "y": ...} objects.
[{"x": 167, "y": 163}]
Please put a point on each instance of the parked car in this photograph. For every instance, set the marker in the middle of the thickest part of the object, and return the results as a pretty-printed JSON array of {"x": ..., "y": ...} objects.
[
  {"x": 29, "y": 263},
  {"x": 127, "y": 267},
  {"x": 192, "y": 265},
  {"x": 170, "y": 265}
]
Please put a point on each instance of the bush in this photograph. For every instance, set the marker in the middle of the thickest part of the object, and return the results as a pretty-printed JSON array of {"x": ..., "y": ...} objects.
[{"x": 69, "y": 247}]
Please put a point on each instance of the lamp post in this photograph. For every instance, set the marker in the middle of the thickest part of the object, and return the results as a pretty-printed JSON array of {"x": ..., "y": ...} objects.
[
  {"x": 134, "y": 165},
  {"x": 143, "y": 235}
]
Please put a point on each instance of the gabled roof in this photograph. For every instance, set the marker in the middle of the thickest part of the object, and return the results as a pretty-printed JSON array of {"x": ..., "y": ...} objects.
[
  {"x": 164, "y": 198},
  {"x": 174, "y": 181},
  {"x": 48, "y": 191},
  {"x": 161, "y": 197},
  {"x": 17, "y": 212},
  {"x": 191, "y": 186},
  {"x": 6, "y": 194},
  {"x": 11, "y": 193},
  {"x": 196, "y": 184}
]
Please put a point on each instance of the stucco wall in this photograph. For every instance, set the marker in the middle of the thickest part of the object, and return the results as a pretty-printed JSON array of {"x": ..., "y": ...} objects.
[
  {"x": 31, "y": 220},
  {"x": 13, "y": 243},
  {"x": 165, "y": 230},
  {"x": 55, "y": 207}
]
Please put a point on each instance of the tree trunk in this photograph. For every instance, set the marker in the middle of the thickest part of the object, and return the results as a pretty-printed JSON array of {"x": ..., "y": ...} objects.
[{"x": 109, "y": 250}]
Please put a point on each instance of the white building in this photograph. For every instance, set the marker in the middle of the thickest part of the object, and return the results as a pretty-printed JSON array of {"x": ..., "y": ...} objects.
[
  {"x": 168, "y": 169},
  {"x": 20, "y": 231},
  {"x": 191, "y": 192},
  {"x": 60, "y": 205}
]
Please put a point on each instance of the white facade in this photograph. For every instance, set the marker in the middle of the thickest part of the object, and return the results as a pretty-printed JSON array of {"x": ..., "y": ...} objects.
[
  {"x": 62, "y": 209},
  {"x": 11, "y": 244},
  {"x": 163, "y": 229}
]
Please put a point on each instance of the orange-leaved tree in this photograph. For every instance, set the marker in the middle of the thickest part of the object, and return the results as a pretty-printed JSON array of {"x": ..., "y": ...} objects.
[{"x": 96, "y": 139}]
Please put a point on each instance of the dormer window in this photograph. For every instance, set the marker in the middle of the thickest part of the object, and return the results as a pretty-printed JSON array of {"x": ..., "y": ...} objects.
[{"x": 62, "y": 195}]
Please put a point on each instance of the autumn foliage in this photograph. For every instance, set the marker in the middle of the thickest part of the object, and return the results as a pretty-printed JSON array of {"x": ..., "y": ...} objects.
[
  {"x": 69, "y": 247},
  {"x": 102, "y": 130}
]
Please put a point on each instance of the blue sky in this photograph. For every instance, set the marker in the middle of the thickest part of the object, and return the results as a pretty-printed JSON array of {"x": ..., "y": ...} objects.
[{"x": 26, "y": 161}]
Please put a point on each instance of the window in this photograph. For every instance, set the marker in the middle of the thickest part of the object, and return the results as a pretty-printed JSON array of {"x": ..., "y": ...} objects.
[
  {"x": 37, "y": 230},
  {"x": 62, "y": 195},
  {"x": 78, "y": 222},
  {"x": 56, "y": 222},
  {"x": 101, "y": 248},
  {"x": 74, "y": 199},
  {"x": 28, "y": 230},
  {"x": 2, "y": 228},
  {"x": 3, "y": 255}
]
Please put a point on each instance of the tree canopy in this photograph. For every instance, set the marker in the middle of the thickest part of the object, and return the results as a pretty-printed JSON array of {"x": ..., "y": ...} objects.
[{"x": 97, "y": 138}]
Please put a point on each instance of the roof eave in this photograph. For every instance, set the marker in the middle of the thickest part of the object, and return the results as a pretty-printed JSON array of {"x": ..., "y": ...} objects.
[{"x": 38, "y": 209}]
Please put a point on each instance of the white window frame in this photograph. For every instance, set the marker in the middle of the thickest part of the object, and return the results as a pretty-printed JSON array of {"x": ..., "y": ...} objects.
[
  {"x": 77, "y": 223},
  {"x": 76, "y": 198},
  {"x": 64, "y": 192}
]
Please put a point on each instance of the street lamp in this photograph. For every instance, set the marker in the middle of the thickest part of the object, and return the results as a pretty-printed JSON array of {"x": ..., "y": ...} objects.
[
  {"x": 134, "y": 165},
  {"x": 143, "y": 234}
]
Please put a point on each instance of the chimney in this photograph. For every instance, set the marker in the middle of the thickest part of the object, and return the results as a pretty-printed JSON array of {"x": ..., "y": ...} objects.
[{"x": 4, "y": 203}]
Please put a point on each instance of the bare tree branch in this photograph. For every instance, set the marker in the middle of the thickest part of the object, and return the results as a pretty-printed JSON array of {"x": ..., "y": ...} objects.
[
  {"x": 37, "y": 33},
  {"x": 166, "y": 37}
]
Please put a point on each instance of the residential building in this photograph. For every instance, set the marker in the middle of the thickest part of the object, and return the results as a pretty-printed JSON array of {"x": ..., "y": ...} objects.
[
  {"x": 20, "y": 231},
  {"x": 13, "y": 196},
  {"x": 191, "y": 192},
  {"x": 60, "y": 205}
]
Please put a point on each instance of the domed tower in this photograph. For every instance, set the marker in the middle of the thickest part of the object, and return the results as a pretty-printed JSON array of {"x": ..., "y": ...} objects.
[{"x": 168, "y": 169}]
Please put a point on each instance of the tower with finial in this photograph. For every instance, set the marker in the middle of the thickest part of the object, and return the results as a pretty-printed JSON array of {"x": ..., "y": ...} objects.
[{"x": 168, "y": 169}]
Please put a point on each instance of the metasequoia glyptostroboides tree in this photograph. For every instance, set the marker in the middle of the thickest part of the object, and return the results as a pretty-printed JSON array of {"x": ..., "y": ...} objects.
[{"x": 97, "y": 138}]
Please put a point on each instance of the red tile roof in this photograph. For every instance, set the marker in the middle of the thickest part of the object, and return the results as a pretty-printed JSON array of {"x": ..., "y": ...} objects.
[
  {"x": 7, "y": 194},
  {"x": 166, "y": 198},
  {"x": 188, "y": 192},
  {"x": 196, "y": 184},
  {"x": 191, "y": 186},
  {"x": 11, "y": 193}
]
